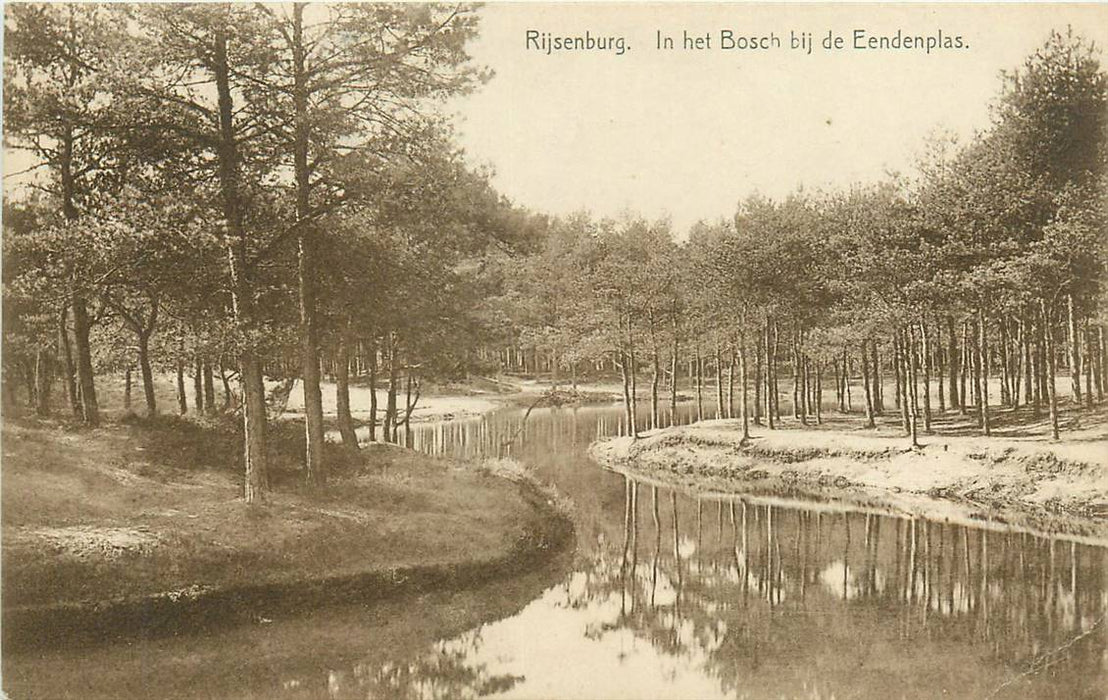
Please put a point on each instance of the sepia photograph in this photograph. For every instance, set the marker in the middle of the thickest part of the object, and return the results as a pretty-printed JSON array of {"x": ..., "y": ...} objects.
[{"x": 554, "y": 350}]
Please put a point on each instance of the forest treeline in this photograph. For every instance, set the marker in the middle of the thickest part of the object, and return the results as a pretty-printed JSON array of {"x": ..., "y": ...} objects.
[
  {"x": 241, "y": 194},
  {"x": 987, "y": 265}
]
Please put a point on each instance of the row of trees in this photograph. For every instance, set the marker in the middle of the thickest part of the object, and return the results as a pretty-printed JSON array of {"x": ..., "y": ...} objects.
[
  {"x": 244, "y": 193},
  {"x": 240, "y": 190},
  {"x": 986, "y": 266}
]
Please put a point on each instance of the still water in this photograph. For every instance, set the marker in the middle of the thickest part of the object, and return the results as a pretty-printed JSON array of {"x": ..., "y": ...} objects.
[{"x": 668, "y": 595}]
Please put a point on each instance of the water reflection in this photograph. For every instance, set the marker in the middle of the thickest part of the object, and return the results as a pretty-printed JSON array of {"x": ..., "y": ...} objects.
[
  {"x": 671, "y": 595},
  {"x": 733, "y": 597}
]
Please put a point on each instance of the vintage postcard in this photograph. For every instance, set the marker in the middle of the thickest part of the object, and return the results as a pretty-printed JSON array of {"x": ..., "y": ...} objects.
[{"x": 554, "y": 350}]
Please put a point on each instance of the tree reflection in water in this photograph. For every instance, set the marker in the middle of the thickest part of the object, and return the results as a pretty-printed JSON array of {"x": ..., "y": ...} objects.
[{"x": 787, "y": 599}]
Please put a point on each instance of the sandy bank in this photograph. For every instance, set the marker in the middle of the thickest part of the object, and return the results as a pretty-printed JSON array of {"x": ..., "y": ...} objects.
[{"x": 1050, "y": 486}]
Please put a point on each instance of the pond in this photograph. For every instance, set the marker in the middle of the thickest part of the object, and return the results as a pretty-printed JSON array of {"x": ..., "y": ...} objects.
[{"x": 669, "y": 595}]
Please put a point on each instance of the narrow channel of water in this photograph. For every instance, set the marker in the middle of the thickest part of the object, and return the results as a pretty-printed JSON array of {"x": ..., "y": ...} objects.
[{"x": 669, "y": 595}]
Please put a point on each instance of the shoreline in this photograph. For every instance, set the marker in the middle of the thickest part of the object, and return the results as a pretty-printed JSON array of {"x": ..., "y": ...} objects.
[
  {"x": 133, "y": 530},
  {"x": 167, "y": 613},
  {"x": 1054, "y": 488}
]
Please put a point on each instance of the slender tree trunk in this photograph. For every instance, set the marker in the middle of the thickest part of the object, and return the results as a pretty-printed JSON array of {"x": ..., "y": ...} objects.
[
  {"x": 983, "y": 359},
  {"x": 699, "y": 384},
  {"x": 719, "y": 383},
  {"x": 256, "y": 483},
  {"x": 389, "y": 427},
  {"x": 742, "y": 381},
  {"x": 1101, "y": 364},
  {"x": 655, "y": 377},
  {"x": 1074, "y": 351},
  {"x": 1028, "y": 380},
  {"x": 1002, "y": 347},
  {"x": 1088, "y": 364},
  {"x": 67, "y": 359},
  {"x": 228, "y": 397},
  {"x": 940, "y": 367},
  {"x": 776, "y": 388},
  {"x": 797, "y": 409},
  {"x": 770, "y": 385},
  {"x": 306, "y": 272},
  {"x": 90, "y": 410},
  {"x": 182, "y": 396},
  {"x": 731, "y": 385},
  {"x": 372, "y": 360},
  {"x": 968, "y": 358},
  {"x": 925, "y": 354},
  {"x": 878, "y": 381},
  {"x": 126, "y": 389},
  {"x": 198, "y": 385},
  {"x": 634, "y": 371},
  {"x": 818, "y": 399},
  {"x": 209, "y": 387},
  {"x": 147, "y": 374},
  {"x": 342, "y": 393},
  {"x": 758, "y": 348},
  {"x": 900, "y": 360},
  {"x": 912, "y": 377},
  {"x": 867, "y": 385},
  {"x": 1034, "y": 366},
  {"x": 1051, "y": 368},
  {"x": 673, "y": 377}
]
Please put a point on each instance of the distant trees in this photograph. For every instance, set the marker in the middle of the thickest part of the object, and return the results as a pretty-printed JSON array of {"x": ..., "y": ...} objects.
[{"x": 984, "y": 274}]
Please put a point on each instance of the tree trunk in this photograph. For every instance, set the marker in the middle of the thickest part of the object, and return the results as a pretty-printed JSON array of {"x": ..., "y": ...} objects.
[
  {"x": 867, "y": 385},
  {"x": 1074, "y": 351},
  {"x": 126, "y": 389},
  {"x": 699, "y": 384},
  {"x": 389, "y": 427},
  {"x": 925, "y": 354},
  {"x": 719, "y": 383},
  {"x": 1005, "y": 389},
  {"x": 673, "y": 379},
  {"x": 256, "y": 487},
  {"x": 731, "y": 385},
  {"x": 655, "y": 377},
  {"x": 44, "y": 380},
  {"x": 342, "y": 393},
  {"x": 147, "y": 375},
  {"x": 797, "y": 409},
  {"x": 940, "y": 367},
  {"x": 256, "y": 484},
  {"x": 878, "y": 382},
  {"x": 228, "y": 397},
  {"x": 90, "y": 410},
  {"x": 198, "y": 385},
  {"x": 182, "y": 397},
  {"x": 1051, "y": 368},
  {"x": 742, "y": 381},
  {"x": 306, "y": 273},
  {"x": 372, "y": 360},
  {"x": 67, "y": 359},
  {"x": 758, "y": 347},
  {"x": 912, "y": 395},
  {"x": 1089, "y": 362},
  {"x": 983, "y": 360},
  {"x": 966, "y": 359},
  {"x": 209, "y": 387}
]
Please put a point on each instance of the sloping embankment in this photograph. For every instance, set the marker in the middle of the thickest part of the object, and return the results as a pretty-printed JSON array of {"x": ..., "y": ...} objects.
[
  {"x": 171, "y": 612},
  {"x": 1049, "y": 486}
]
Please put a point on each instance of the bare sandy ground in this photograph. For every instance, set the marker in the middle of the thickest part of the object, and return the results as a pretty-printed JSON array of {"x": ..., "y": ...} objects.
[{"x": 985, "y": 477}]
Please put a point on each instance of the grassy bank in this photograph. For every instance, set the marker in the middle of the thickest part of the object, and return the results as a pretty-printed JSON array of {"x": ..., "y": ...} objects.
[
  {"x": 1017, "y": 475},
  {"x": 144, "y": 517}
]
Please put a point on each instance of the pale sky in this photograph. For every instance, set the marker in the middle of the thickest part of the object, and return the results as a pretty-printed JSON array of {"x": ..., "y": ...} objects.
[{"x": 690, "y": 133}]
